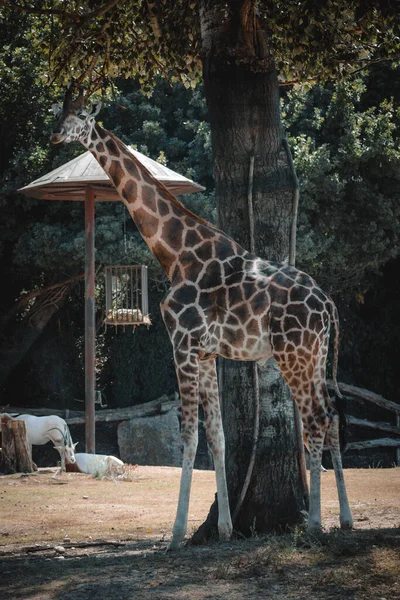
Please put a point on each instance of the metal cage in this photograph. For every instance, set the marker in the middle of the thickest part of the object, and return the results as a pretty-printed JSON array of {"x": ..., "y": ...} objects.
[{"x": 126, "y": 295}]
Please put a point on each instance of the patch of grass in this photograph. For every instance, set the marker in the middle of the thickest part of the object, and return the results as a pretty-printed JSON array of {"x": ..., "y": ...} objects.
[
  {"x": 250, "y": 564},
  {"x": 335, "y": 543},
  {"x": 346, "y": 563}
]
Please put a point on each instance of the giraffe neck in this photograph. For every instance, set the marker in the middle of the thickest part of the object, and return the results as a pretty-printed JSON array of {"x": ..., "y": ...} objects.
[{"x": 165, "y": 224}]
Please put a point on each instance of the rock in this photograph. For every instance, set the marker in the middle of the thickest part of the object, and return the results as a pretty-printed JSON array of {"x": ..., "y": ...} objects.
[{"x": 151, "y": 440}]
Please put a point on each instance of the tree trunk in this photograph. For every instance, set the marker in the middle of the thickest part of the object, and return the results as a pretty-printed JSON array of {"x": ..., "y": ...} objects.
[
  {"x": 253, "y": 179},
  {"x": 16, "y": 454}
]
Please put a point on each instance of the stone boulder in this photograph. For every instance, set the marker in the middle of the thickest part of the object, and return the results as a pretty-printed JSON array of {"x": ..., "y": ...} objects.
[{"x": 151, "y": 440}]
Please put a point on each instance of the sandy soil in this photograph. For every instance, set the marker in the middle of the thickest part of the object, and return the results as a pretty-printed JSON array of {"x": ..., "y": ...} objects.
[{"x": 78, "y": 538}]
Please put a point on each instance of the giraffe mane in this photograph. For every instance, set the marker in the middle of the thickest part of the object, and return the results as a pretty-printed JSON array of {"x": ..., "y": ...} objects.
[{"x": 167, "y": 193}]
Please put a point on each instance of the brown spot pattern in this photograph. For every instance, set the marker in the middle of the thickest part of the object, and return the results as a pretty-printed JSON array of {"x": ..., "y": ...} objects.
[
  {"x": 172, "y": 232},
  {"x": 147, "y": 223},
  {"x": 112, "y": 148},
  {"x": 129, "y": 191},
  {"x": 116, "y": 173},
  {"x": 131, "y": 168}
]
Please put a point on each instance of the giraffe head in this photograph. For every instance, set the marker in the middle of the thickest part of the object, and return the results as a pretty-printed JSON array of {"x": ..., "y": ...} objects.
[{"x": 74, "y": 120}]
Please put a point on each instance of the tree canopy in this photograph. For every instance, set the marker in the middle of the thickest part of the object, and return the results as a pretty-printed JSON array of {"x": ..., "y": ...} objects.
[
  {"x": 102, "y": 41},
  {"x": 347, "y": 158}
]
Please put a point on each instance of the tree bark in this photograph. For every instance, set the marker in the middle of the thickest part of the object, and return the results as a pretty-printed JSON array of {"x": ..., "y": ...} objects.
[
  {"x": 242, "y": 93},
  {"x": 8, "y": 460},
  {"x": 16, "y": 454}
]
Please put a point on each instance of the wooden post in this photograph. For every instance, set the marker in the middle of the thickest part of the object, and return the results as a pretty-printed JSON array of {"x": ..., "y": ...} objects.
[
  {"x": 89, "y": 322},
  {"x": 16, "y": 454}
]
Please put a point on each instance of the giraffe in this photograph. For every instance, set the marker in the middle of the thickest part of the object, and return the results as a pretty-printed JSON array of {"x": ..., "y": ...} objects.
[{"x": 222, "y": 301}]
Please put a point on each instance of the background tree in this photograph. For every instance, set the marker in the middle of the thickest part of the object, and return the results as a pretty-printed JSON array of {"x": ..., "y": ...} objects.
[
  {"x": 346, "y": 147},
  {"x": 240, "y": 43}
]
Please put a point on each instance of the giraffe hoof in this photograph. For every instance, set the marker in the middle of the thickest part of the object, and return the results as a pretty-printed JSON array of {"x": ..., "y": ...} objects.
[
  {"x": 174, "y": 546},
  {"x": 224, "y": 534},
  {"x": 314, "y": 527},
  {"x": 346, "y": 525}
]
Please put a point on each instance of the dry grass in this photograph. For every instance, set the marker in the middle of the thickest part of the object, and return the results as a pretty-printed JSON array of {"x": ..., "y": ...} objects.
[
  {"x": 137, "y": 512},
  {"x": 41, "y": 509}
]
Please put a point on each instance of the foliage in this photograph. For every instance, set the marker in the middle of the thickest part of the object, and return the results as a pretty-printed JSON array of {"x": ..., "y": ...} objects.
[
  {"x": 171, "y": 126},
  {"x": 139, "y": 39},
  {"x": 348, "y": 163},
  {"x": 322, "y": 40}
]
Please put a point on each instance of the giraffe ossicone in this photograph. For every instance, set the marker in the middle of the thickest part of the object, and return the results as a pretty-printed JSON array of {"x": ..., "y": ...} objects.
[{"x": 223, "y": 301}]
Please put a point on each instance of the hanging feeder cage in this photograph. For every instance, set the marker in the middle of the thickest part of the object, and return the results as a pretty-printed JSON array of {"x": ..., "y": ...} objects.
[{"x": 126, "y": 295}]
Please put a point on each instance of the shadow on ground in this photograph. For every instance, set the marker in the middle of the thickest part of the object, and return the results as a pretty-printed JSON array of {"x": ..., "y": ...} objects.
[{"x": 359, "y": 565}]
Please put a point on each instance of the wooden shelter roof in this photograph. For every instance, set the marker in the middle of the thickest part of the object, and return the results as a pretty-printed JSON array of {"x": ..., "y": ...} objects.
[{"x": 69, "y": 181}]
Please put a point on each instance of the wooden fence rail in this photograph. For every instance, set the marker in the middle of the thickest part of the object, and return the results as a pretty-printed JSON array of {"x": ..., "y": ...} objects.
[
  {"x": 361, "y": 394},
  {"x": 166, "y": 403},
  {"x": 77, "y": 417}
]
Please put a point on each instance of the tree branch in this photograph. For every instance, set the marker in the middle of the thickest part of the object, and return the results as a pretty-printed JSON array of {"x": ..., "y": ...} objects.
[
  {"x": 102, "y": 10},
  {"x": 24, "y": 300},
  {"x": 356, "y": 392}
]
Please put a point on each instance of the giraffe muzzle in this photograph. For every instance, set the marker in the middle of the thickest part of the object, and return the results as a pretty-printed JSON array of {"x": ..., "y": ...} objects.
[{"x": 57, "y": 137}]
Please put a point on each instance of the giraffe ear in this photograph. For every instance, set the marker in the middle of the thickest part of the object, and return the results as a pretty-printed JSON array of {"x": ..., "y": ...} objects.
[
  {"x": 56, "y": 109},
  {"x": 95, "y": 109}
]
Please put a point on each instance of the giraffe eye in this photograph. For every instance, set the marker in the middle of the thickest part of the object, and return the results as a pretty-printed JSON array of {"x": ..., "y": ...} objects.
[{"x": 82, "y": 117}]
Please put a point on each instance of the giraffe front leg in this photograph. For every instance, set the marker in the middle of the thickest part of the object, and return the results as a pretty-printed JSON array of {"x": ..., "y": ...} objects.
[
  {"x": 216, "y": 441},
  {"x": 188, "y": 379}
]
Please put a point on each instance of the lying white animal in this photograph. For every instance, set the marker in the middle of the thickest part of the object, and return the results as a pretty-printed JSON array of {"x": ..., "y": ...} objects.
[{"x": 98, "y": 465}]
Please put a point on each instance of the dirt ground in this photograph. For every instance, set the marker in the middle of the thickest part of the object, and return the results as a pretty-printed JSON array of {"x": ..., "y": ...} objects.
[{"x": 78, "y": 538}]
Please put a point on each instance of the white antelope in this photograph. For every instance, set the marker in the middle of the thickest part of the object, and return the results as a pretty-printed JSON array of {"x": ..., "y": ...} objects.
[
  {"x": 98, "y": 465},
  {"x": 40, "y": 430}
]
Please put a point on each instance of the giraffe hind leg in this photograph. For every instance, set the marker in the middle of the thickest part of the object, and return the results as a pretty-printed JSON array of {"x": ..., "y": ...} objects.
[
  {"x": 332, "y": 440},
  {"x": 315, "y": 422}
]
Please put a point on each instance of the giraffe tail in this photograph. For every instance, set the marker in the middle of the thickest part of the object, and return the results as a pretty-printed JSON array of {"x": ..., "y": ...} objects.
[
  {"x": 339, "y": 402},
  {"x": 335, "y": 323}
]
